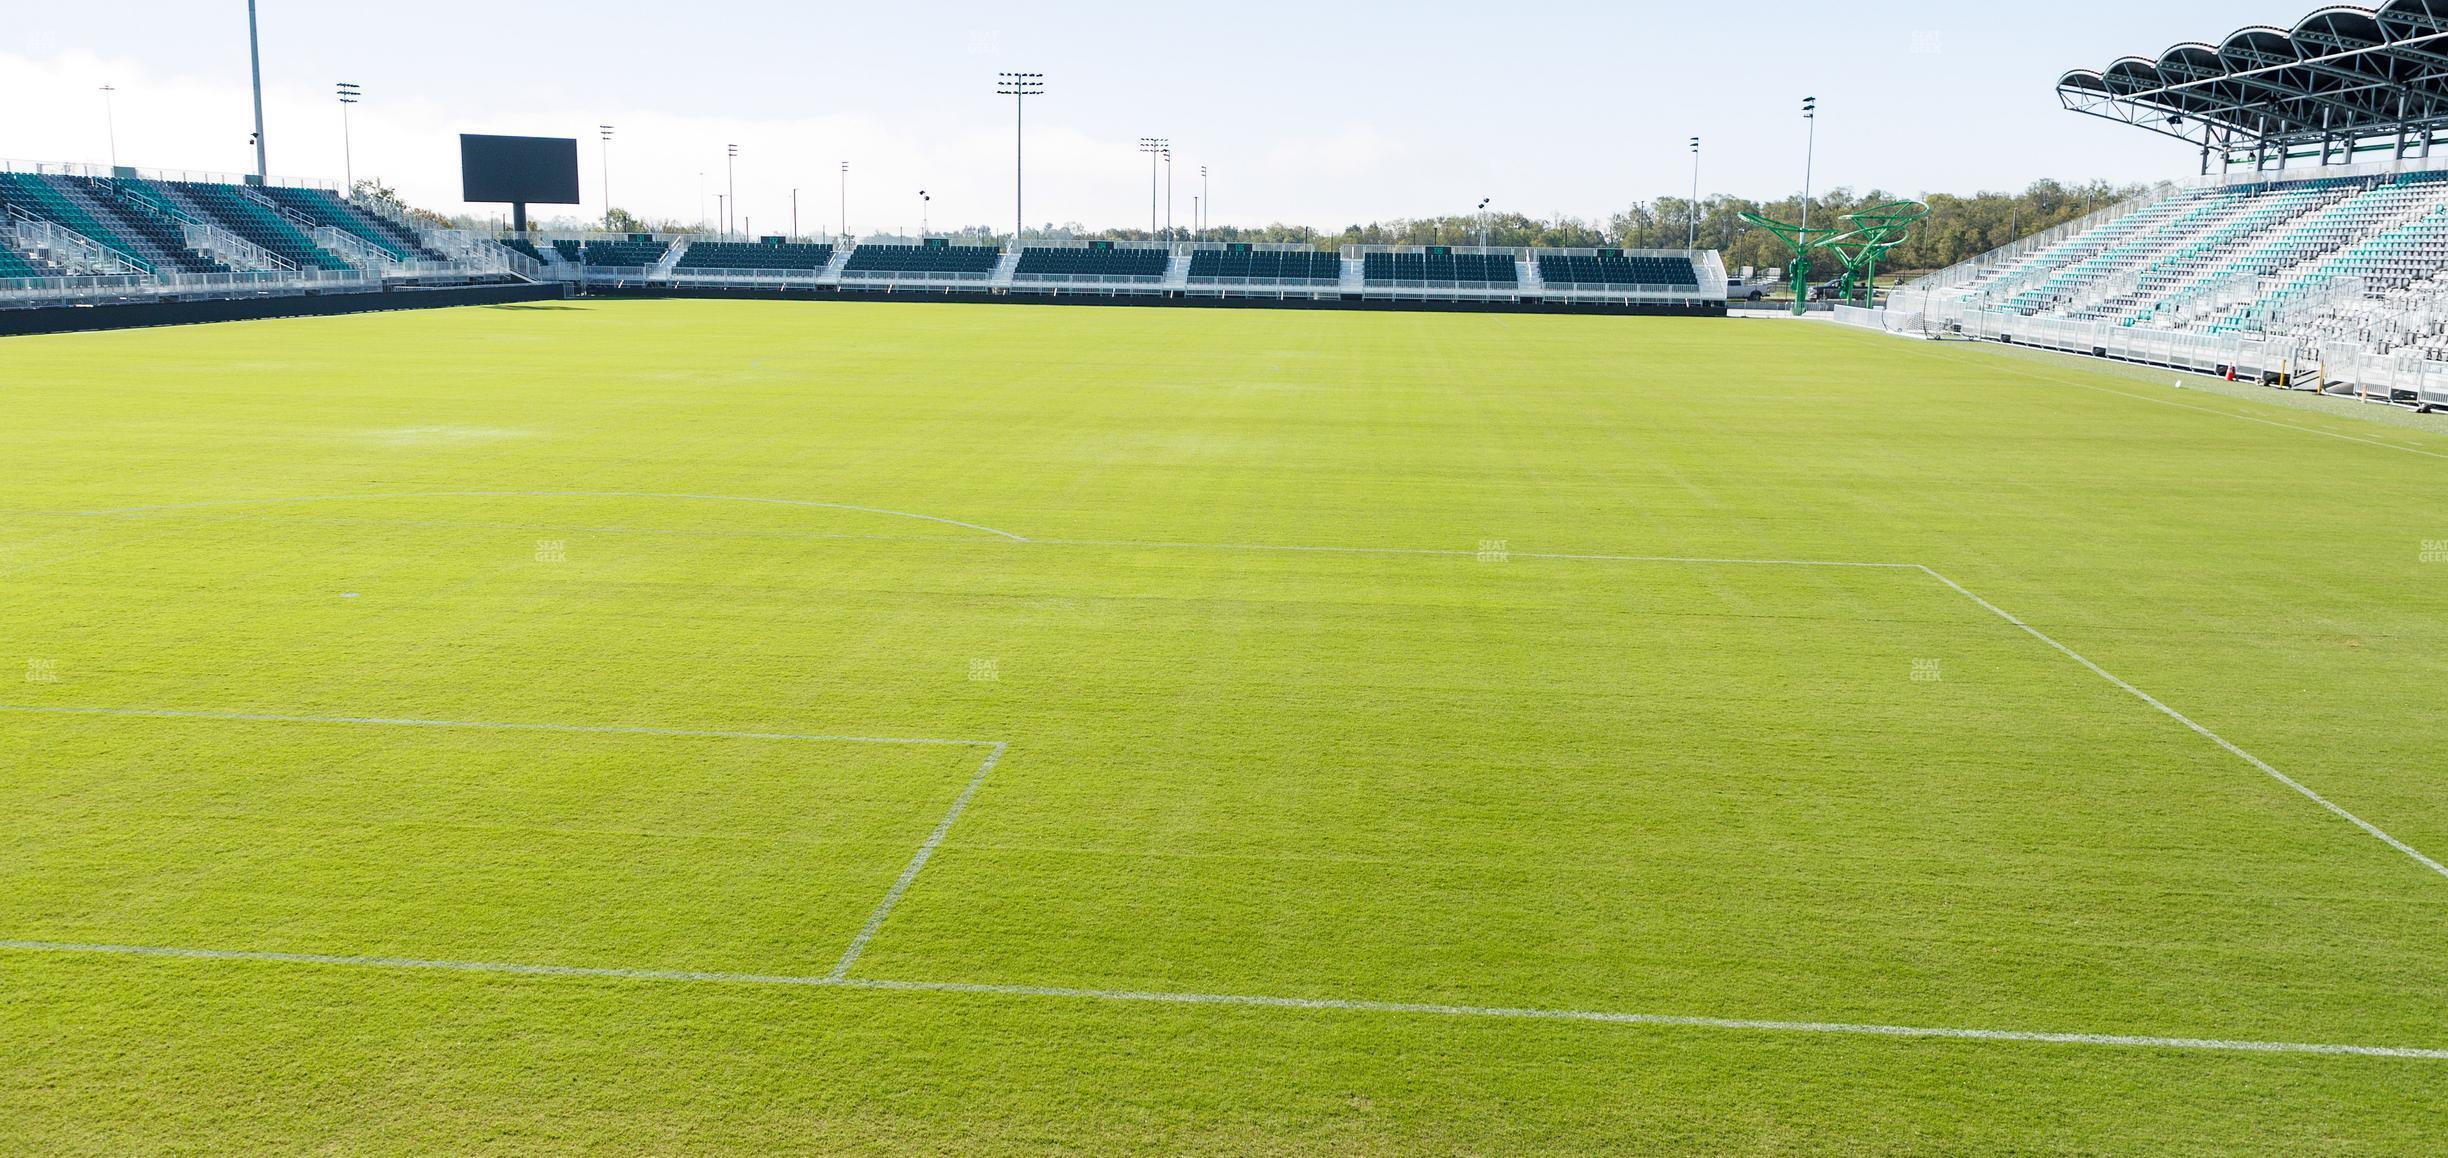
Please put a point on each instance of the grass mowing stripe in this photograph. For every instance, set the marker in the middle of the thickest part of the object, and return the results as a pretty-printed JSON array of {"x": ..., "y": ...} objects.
[
  {"x": 144, "y": 510},
  {"x": 1314, "y": 1004},
  {"x": 488, "y": 725},
  {"x": 884, "y": 910}
]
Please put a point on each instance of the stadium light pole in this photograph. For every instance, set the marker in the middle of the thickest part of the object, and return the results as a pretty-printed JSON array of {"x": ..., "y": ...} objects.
[
  {"x": 1483, "y": 221},
  {"x": 606, "y": 147},
  {"x": 1019, "y": 86},
  {"x": 263, "y": 169},
  {"x": 1154, "y": 147},
  {"x": 730, "y": 182},
  {"x": 348, "y": 147},
  {"x": 1691, "y": 208},
  {"x": 1206, "y": 204},
  {"x": 110, "y": 122},
  {"x": 794, "y": 217},
  {"x": 924, "y": 203},
  {"x": 845, "y": 202},
  {"x": 1810, "y": 155}
]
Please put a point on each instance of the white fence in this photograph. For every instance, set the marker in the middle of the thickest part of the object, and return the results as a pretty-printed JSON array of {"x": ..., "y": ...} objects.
[{"x": 2338, "y": 368}]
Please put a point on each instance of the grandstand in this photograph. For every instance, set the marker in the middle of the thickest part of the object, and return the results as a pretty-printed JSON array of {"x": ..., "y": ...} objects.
[
  {"x": 933, "y": 261},
  {"x": 2326, "y": 275},
  {"x": 1250, "y": 265},
  {"x": 777, "y": 256},
  {"x": 1093, "y": 262},
  {"x": 1438, "y": 265}
]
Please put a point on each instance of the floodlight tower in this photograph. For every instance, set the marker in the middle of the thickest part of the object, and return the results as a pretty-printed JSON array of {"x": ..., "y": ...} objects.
[
  {"x": 1691, "y": 208},
  {"x": 606, "y": 148},
  {"x": 1168, "y": 159},
  {"x": 1206, "y": 203},
  {"x": 845, "y": 201},
  {"x": 349, "y": 95},
  {"x": 110, "y": 121},
  {"x": 1155, "y": 148},
  {"x": 1019, "y": 86},
  {"x": 731, "y": 182},
  {"x": 1810, "y": 154},
  {"x": 924, "y": 203},
  {"x": 1483, "y": 221},
  {"x": 263, "y": 169}
]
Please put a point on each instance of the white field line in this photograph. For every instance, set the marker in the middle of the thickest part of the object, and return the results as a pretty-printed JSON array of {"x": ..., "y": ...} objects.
[
  {"x": 2205, "y": 732},
  {"x": 165, "y": 507},
  {"x": 901, "y": 885},
  {"x": 1321, "y": 1005},
  {"x": 875, "y": 921}
]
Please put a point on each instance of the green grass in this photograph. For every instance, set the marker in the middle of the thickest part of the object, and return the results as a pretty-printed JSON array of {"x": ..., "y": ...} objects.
[{"x": 1389, "y": 771}]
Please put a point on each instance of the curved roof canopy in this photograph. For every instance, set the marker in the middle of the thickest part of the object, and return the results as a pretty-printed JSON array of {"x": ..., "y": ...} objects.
[{"x": 2344, "y": 73}]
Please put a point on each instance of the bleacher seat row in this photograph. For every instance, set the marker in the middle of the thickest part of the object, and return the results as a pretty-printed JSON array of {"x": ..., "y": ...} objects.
[
  {"x": 745, "y": 256},
  {"x": 1441, "y": 269},
  {"x": 145, "y": 223},
  {"x": 952, "y": 260},
  {"x": 2312, "y": 261},
  {"x": 1067, "y": 262}
]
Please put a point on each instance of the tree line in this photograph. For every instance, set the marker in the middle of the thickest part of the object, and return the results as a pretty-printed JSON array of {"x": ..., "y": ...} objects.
[{"x": 1958, "y": 228}]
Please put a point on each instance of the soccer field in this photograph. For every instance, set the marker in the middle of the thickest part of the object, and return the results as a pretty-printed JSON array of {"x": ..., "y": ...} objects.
[{"x": 670, "y": 726}]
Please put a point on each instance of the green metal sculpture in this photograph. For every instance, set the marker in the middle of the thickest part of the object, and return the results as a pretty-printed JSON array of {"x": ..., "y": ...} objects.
[
  {"x": 1866, "y": 236},
  {"x": 1876, "y": 231},
  {"x": 1801, "y": 239}
]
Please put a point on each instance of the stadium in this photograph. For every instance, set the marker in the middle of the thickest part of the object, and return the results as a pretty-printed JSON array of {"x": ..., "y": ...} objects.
[{"x": 501, "y": 680}]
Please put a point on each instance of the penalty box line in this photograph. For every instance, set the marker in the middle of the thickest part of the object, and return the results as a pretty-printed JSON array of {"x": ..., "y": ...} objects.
[
  {"x": 1248, "y": 1001},
  {"x": 2161, "y": 706},
  {"x": 858, "y": 944}
]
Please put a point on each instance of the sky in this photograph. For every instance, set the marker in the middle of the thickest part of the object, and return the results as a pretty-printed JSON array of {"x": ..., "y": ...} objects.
[{"x": 1325, "y": 113}]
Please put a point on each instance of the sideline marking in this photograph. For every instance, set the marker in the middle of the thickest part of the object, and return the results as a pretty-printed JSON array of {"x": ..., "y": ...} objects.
[
  {"x": 858, "y": 944},
  {"x": 2130, "y": 1041},
  {"x": 2188, "y": 722},
  {"x": 875, "y": 921}
]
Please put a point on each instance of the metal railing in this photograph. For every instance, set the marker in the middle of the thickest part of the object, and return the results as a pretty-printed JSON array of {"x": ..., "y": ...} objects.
[
  {"x": 229, "y": 249},
  {"x": 44, "y": 291},
  {"x": 351, "y": 248},
  {"x": 74, "y": 251},
  {"x": 105, "y": 172},
  {"x": 702, "y": 275}
]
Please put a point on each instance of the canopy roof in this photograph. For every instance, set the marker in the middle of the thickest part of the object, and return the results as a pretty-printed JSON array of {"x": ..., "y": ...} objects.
[{"x": 2345, "y": 73}]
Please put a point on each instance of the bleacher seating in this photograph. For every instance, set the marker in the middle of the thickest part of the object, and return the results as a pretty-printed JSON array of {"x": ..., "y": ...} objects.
[
  {"x": 324, "y": 207},
  {"x": 137, "y": 216},
  {"x": 612, "y": 254},
  {"x": 786, "y": 257},
  {"x": 1618, "y": 269},
  {"x": 522, "y": 247},
  {"x": 1266, "y": 266},
  {"x": 2314, "y": 266},
  {"x": 926, "y": 260},
  {"x": 45, "y": 198},
  {"x": 236, "y": 210},
  {"x": 1116, "y": 263},
  {"x": 17, "y": 265},
  {"x": 1440, "y": 269}
]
